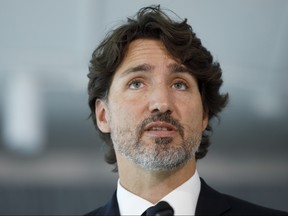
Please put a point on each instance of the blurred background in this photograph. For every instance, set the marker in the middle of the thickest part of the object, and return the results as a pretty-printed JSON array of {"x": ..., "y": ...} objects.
[{"x": 51, "y": 160}]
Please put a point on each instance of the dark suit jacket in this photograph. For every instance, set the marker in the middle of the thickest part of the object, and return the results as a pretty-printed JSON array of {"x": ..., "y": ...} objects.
[{"x": 210, "y": 202}]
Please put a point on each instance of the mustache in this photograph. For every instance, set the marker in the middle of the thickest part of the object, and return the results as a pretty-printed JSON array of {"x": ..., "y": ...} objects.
[{"x": 164, "y": 117}]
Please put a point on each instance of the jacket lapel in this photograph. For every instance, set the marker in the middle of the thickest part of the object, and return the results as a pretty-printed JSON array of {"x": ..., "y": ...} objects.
[{"x": 210, "y": 202}]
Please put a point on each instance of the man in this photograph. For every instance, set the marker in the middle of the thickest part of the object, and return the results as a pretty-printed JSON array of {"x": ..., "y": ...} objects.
[{"x": 153, "y": 89}]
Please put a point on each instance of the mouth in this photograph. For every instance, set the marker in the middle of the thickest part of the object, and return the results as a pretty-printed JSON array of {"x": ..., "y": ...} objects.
[{"x": 160, "y": 129}]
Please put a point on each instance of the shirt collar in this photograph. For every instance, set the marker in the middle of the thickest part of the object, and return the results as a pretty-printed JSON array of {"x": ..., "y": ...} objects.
[{"x": 183, "y": 199}]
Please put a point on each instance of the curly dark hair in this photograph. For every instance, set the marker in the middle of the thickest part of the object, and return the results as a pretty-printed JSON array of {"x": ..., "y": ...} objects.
[{"x": 180, "y": 41}]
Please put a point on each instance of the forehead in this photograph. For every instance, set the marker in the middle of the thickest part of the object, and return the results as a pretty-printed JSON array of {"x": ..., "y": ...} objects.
[
  {"x": 144, "y": 46},
  {"x": 146, "y": 51}
]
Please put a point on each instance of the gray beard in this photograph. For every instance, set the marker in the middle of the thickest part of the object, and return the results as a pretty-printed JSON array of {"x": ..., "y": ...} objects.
[{"x": 161, "y": 155}]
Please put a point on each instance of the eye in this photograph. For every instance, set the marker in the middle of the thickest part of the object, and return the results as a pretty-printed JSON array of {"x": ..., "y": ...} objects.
[
  {"x": 180, "y": 85},
  {"x": 135, "y": 84}
]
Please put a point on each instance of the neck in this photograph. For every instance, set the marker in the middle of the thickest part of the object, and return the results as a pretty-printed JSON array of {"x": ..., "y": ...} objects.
[{"x": 152, "y": 185}]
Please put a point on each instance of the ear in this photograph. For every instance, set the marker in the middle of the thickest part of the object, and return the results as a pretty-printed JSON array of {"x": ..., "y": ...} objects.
[
  {"x": 205, "y": 121},
  {"x": 102, "y": 116}
]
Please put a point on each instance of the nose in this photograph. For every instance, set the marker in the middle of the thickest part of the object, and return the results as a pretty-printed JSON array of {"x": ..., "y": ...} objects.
[{"x": 160, "y": 100}]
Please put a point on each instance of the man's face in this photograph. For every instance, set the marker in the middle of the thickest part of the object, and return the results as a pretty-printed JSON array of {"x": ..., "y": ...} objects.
[{"x": 154, "y": 110}]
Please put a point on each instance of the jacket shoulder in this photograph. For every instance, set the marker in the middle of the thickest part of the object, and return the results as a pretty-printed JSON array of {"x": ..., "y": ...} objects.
[
  {"x": 242, "y": 207},
  {"x": 212, "y": 202}
]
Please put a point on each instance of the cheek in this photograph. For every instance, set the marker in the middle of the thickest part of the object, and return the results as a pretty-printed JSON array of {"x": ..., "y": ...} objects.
[
  {"x": 128, "y": 105},
  {"x": 123, "y": 115},
  {"x": 193, "y": 116}
]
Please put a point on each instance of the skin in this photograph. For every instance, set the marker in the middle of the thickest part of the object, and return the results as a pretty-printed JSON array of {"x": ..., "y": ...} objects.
[{"x": 148, "y": 81}]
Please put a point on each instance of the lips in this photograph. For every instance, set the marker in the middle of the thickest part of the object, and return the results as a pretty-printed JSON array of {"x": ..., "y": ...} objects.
[
  {"x": 160, "y": 129},
  {"x": 158, "y": 126}
]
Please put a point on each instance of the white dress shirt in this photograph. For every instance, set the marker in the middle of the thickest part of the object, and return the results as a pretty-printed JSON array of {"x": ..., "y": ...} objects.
[{"x": 183, "y": 199}]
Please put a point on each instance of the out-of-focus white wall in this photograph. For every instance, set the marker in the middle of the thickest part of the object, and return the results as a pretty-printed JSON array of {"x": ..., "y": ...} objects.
[{"x": 47, "y": 144}]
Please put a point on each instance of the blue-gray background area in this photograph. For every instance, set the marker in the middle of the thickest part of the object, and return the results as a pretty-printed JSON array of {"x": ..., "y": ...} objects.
[{"x": 51, "y": 162}]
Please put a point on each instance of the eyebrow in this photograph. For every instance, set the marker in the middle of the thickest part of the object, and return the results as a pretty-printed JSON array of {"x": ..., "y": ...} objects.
[
  {"x": 138, "y": 68},
  {"x": 173, "y": 68},
  {"x": 176, "y": 68}
]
